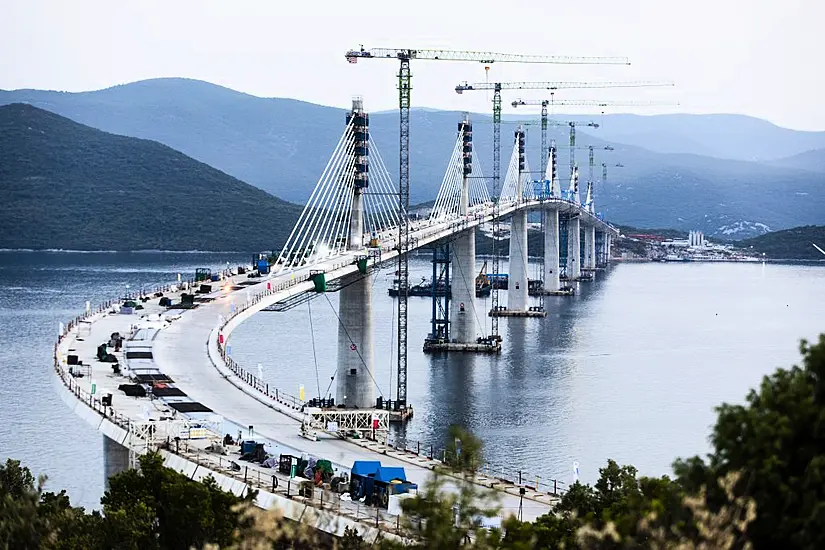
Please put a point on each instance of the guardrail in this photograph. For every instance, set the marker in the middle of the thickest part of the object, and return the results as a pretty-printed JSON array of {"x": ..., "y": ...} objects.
[
  {"x": 298, "y": 488},
  {"x": 492, "y": 470}
]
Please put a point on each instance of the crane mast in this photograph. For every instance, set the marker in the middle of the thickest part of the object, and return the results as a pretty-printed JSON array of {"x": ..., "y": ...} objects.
[
  {"x": 497, "y": 87},
  {"x": 404, "y": 56},
  {"x": 569, "y": 102}
]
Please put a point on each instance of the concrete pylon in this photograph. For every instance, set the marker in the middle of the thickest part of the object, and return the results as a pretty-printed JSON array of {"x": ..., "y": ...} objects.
[
  {"x": 573, "y": 249},
  {"x": 551, "y": 250},
  {"x": 463, "y": 316},
  {"x": 355, "y": 386},
  {"x": 589, "y": 261},
  {"x": 517, "y": 283}
]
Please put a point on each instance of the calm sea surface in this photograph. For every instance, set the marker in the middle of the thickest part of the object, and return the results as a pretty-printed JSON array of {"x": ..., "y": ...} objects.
[{"x": 629, "y": 369}]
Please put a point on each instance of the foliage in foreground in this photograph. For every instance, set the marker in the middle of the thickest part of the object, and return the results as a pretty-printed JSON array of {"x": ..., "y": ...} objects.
[{"x": 761, "y": 488}]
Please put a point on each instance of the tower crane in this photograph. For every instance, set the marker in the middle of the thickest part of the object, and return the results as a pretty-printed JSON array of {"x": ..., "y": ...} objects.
[
  {"x": 580, "y": 102},
  {"x": 404, "y": 56},
  {"x": 497, "y": 87}
]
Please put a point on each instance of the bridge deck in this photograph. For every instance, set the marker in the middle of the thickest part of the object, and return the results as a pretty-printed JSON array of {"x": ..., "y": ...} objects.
[{"x": 186, "y": 351}]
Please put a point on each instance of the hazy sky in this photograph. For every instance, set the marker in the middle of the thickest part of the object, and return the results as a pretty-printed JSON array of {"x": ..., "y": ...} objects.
[{"x": 758, "y": 57}]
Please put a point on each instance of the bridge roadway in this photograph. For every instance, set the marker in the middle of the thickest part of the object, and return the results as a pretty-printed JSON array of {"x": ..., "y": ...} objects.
[
  {"x": 426, "y": 232},
  {"x": 187, "y": 350}
]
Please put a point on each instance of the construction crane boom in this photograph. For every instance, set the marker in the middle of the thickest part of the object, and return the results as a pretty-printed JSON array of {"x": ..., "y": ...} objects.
[
  {"x": 588, "y": 103},
  {"x": 480, "y": 57},
  {"x": 404, "y": 56},
  {"x": 560, "y": 85},
  {"x": 544, "y": 103}
]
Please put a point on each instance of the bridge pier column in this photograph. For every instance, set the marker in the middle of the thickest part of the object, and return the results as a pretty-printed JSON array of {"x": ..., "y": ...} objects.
[
  {"x": 517, "y": 284},
  {"x": 573, "y": 249},
  {"x": 608, "y": 242},
  {"x": 463, "y": 317},
  {"x": 589, "y": 247},
  {"x": 601, "y": 249},
  {"x": 355, "y": 387},
  {"x": 551, "y": 251}
]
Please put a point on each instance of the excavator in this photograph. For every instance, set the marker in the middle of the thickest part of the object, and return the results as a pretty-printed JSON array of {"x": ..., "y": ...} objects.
[{"x": 483, "y": 284}]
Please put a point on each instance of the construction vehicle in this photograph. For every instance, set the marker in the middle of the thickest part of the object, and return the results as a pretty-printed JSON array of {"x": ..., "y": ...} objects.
[
  {"x": 483, "y": 284},
  {"x": 375, "y": 484}
]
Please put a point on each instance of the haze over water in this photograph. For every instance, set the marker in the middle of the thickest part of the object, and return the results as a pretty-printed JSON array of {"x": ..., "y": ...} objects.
[{"x": 629, "y": 369}]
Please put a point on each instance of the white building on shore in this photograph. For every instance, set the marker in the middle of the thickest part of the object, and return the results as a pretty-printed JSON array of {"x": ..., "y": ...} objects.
[{"x": 696, "y": 239}]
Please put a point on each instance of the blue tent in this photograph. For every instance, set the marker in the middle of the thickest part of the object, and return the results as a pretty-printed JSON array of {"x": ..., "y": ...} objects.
[{"x": 365, "y": 467}]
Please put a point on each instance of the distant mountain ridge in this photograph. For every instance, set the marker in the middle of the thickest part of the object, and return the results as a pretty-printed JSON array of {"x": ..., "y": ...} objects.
[
  {"x": 68, "y": 186},
  {"x": 282, "y": 146},
  {"x": 794, "y": 243},
  {"x": 813, "y": 160}
]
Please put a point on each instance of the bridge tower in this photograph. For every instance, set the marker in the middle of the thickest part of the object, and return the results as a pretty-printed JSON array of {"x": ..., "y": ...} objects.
[
  {"x": 517, "y": 285},
  {"x": 574, "y": 233},
  {"x": 463, "y": 317},
  {"x": 355, "y": 386},
  {"x": 551, "y": 229}
]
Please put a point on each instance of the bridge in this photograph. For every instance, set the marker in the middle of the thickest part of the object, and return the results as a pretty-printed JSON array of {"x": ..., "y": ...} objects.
[
  {"x": 353, "y": 219},
  {"x": 175, "y": 388},
  {"x": 161, "y": 376}
]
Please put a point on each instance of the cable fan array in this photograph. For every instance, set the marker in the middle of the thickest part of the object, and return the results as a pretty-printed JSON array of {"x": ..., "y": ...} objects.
[
  {"x": 322, "y": 230},
  {"x": 448, "y": 201},
  {"x": 510, "y": 188}
]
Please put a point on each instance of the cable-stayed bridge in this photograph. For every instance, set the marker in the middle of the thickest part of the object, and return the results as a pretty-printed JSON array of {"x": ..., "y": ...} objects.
[{"x": 350, "y": 226}]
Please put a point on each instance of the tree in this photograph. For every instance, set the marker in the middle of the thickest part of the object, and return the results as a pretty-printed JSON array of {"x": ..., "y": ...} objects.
[
  {"x": 775, "y": 444},
  {"x": 157, "y": 507},
  {"x": 449, "y": 511}
]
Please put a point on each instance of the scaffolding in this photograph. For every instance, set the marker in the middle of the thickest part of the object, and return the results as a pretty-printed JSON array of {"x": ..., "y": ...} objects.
[{"x": 366, "y": 423}]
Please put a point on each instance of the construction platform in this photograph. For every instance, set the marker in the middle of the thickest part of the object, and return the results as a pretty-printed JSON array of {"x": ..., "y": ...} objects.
[
  {"x": 401, "y": 415},
  {"x": 569, "y": 291},
  {"x": 484, "y": 346},
  {"x": 531, "y": 312}
]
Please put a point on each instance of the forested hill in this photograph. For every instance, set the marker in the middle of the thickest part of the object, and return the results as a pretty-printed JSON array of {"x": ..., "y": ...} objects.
[
  {"x": 66, "y": 185},
  {"x": 795, "y": 243},
  {"x": 691, "y": 171}
]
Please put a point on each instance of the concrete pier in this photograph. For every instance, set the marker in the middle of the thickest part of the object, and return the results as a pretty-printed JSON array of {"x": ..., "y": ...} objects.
[
  {"x": 589, "y": 261},
  {"x": 517, "y": 286},
  {"x": 355, "y": 385},
  {"x": 573, "y": 249},
  {"x": 609, "y": 242},
  {"x": 463, "y": 316},
  {"x": 551, "y": 251},
  {"x": 517, "y": 280},
  {"x": 115, "y": 459}
]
